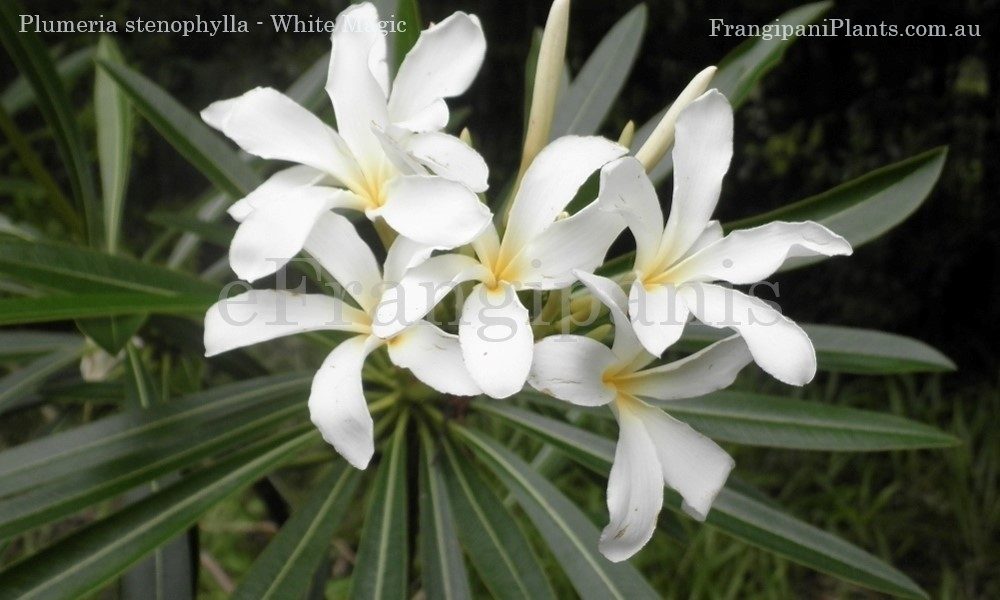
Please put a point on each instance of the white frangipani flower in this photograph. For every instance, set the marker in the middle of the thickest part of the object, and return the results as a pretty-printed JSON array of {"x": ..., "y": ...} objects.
[
  {"x": 676, "y": 263},
  {"x": 538, "y": 251},
  {"x": 430, "y": 199},
  {"x": 653, "y": 448},
  {"x": 337, "y": 403}
]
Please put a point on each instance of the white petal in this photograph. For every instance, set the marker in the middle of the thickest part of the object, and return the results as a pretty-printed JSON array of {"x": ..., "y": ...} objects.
[
  {"x": 357, "y": 64},
  {"x": 658, "y": 315},
  {"x": 406, "y": 301},
  {"x": 571, "y": 368},
  {"x": 551, "y": 181},
  {"x": 434, "y": 211},
  {"x": 337, "y": 401},
  {"x": 635, "y": 490},
  {"x": 260, "y": 315},
  {"x": 268, "y": 124},
  {"x": 578, "y": 242},
  {"x": 713, "y": 233},
  {"x": 626, "y": 345},
  {"x": 496, "y": 340},
  {"x": 701, "y": 157},
  {"x": 627, "y": 190},
  {"x": 442, "y": 64},
  {"x": 338, "y": 248},
  {"x": 750, "y": 255},
  {"x": 449, "y": 157},
  {"x": 692, "y": 464},
  {"x": 276, "y": 186},
  {"x": 276, "y": 231},
  {"x": 404, "y": 254},
  {"x": 435, "y": 357},
  {"x": 710, "y": 369},
  {"x": 777, "y": 344}
]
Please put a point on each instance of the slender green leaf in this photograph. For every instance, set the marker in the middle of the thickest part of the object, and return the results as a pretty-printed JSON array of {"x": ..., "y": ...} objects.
[
  {"x": 112, "y": 333},
  {"x": 115, "y": 128},
  {"x": 67, "y": 307},
  {"x": 408, "y": 11},
  {"x": 443, "y": 570},
  {"x": 26, "y": 379},
  {"x": 567, "y": 531},
  {"x": 492, "y": 538},
  {"x": 192, "y": 420},
  {"x": 83, "y": 562},
  {"x": 865, "y": 208},
  {"x": 35, "y": 64},
  {"x": 742, "y": 516},
  {"x": 848, "y": 349},
  {"x": 740, "y": 71},
  {"x": 287, "y": 566},
  {"x": 185, "y": 132},
  {"x": 139, "y": 384},
  {"x": 382, "y": 570},
  {"x": 218, "y": 234},
  {"x": 309, "y": 89},
  {"x": 16, "y": 344},
  {"x": 66, "y": 268},
  {"x": 19, "y": 95},
  {"x": 593, "y": 92}
]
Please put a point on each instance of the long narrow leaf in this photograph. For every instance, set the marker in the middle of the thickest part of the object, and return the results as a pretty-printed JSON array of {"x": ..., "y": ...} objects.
[
  {"x": 383, "y": 563},
  {"x": 15, "y": 343},
  {"x": 115, "y": 126},
  {"x": 26, "y": 379},
  {"x": 567, "y": 531},
  {"x": 494, "y": 541},
  {"x": 744, "y": 517},
  {"x": 286, "y": 567},
  {"x": 83, "y": 562},
  {"x": 443, "y": 574},
  {"x": 592, "y": 93},
  {"x": 202, "y": 147},
  {"x": 19, "y": 95},
  {"x": 66, "y": 307}
]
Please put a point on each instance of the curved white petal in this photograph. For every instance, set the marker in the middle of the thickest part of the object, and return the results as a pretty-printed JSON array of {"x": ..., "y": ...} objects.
[
  {"x": 276, "y": 186},
  {"x": 442, "y": 64},
  {"x": 551, "y": 181},
  {"x": 260, "y": 315},
  {"x": 692, "y": 464},
  {"x": 434, "y": 211},
  {"x": 710, "y": 369},
  {"x": 635, "y": 488},
  {"x": 496, "y": 339},
  {"x": 435, "y": 357},
  {"x": 579, "y": 242},
  {"x": 276, "y": 231},
  {"x": 626, "y": 345},
  {"x": 338, "y": 248},
  {"x": 449, "y": 157},
  {"x": 571, "y": 368},
  {"x": 658, "y": 315},
  {"x": 268, "y": 124},
  {"x": 404, "y": 254},
  {"x": 337, "y": 401},
  {"x": 749, "y": 255},
  {"x": 713, "y": 233},
  {"x": 406, "y": 301},
  {"x": 627, "y": 190},
  {"x": 777, "y": 344},
  {"x": 358, "y": 79},
  {"x": 702, "y": 151}
]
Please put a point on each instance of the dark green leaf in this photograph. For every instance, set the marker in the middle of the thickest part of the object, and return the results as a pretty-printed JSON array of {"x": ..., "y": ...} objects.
[
  {"x": 570, "y": 535},
  {"x": 14, "y": 343},
  {"x": 113, "y": 333},
  {"x": 19, "y": 94},
  {"x": 26, "y": 379},
  {"x": 115, "y": 126},
  {"x": 202, "y": 147},
  {"x": 286, "y": 567},
  {"x": 382, "y": 570},
  {"x": 83, "y": 562},
  {"x": 408, "y": 11},
  {"x": 592, "y": 93},
  {"x": 492, "y": 538},
  {"x": 443, "y": 570},
  {"x": 64, "y": 308},
  {"x": 220, "y": 234},
  {"x": 742, "y": 516},
  {"x": 862, "y": 209}
]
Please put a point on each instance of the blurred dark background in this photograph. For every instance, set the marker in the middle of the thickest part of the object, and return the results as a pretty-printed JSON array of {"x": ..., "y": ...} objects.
[{"x": 836, "y": 108}]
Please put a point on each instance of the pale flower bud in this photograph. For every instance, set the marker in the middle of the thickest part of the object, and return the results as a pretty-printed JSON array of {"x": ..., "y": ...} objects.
[{"x": 656, "y": 146}]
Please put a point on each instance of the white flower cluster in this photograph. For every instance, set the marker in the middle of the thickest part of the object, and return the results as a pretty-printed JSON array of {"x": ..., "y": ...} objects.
[{"x": 390, "y": 159}]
